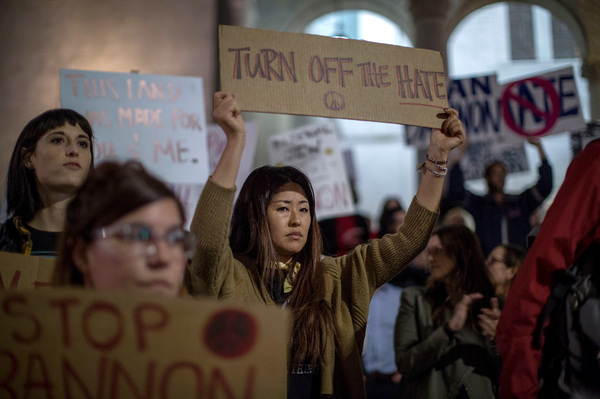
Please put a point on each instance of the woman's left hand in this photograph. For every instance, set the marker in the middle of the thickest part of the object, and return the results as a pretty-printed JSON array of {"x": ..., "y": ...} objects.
[{"x": 449, "y": 136}]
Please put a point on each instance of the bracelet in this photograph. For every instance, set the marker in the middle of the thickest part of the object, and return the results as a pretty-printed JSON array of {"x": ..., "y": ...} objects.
[
  {"x": 441, "y": 168},
  {"x": 422, "y": 167},
  {"x": 438, "y": 163}
]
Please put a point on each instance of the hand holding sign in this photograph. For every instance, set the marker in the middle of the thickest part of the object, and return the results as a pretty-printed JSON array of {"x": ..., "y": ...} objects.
[
  {"x": 228, "y": 115},
  {"x": 291, "y": 73},
  {"x": 450, "y": 136}
]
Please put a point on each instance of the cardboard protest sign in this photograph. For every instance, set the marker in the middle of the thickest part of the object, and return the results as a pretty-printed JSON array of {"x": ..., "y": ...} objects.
[
  {"x": 24, "y": 271},
  {"x": 159, "y": 120},
  {"x": 83, "y": 344},
  {"x": 189, "y": 194},
  {"x": 315, "y": 150},
  {"x": 302, "y": 74}
]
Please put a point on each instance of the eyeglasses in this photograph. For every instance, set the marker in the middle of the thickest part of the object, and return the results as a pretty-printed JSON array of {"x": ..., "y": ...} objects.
[
  {"x": 435, "y": 252},
  {"x": 146, "y": 238},
  {"x": 492, "y": 259}
]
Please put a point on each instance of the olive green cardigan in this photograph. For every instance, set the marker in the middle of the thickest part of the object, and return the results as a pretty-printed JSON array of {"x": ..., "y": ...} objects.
[{"x": 350, "y": 280}]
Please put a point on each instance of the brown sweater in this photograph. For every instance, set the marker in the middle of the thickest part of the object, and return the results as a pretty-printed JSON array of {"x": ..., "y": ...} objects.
[{"x": 349, "y": 286}]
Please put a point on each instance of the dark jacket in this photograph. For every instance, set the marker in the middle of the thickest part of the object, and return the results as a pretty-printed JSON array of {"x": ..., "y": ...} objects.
[
  {"x": 488, "y": 214},
  {"x": 436, "y": 366}
]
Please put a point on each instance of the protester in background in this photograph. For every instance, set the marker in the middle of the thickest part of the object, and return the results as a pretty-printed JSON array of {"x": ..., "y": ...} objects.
[
  {"x": 460, "y": 216},
  {"x": 441, "y": 350},
  {"x": 390, "y": 219},
  {"x": 503, "y": 264},
  {"x": 341, "y": 234},
  {"x": 501, "y": 218},
  {"x": 570, "y": 226},
  {"x": 389, "y": 203},
  {"x": 124, "y": 231},
  {"x": 51, "y": 159},
  {"x": 273, "y": 256}
]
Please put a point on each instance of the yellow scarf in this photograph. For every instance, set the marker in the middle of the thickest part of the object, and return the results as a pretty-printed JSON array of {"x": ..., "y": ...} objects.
[{"x": 287, "y": 284}]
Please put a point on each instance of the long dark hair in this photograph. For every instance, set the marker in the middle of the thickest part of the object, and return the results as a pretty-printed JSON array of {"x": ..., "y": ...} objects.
[
  {"x": 387, "y": 219},
  {"x": 250, "y": 235},
  {"x": 112, "y": 191},
  {"x": 469, "y": 275},
  {"x": 22, "y": 197}
]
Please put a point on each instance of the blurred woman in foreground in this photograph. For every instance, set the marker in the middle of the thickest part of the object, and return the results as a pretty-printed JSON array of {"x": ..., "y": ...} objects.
[{"x": 124, "y": 231}]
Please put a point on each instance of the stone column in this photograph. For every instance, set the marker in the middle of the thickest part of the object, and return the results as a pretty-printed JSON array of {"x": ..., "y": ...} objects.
[
  {"x": 591, "y": 71},
  {"x": 430, "y": 19},
  {"x": 235, "y": 12}
]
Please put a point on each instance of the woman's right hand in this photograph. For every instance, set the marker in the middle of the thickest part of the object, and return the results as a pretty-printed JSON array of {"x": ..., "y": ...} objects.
[
  {"x": 461, "y": 311},
  {"x": 228, "y": 115}
]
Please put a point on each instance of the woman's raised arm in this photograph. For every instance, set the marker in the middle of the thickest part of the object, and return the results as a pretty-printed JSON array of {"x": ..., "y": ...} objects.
[
  {"x": 229, "y": 117},
  {"x": 442, "y": 141}
]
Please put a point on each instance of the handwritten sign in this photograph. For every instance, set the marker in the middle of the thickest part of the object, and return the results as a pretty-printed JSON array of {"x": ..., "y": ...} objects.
[
  {"x": 24, "y": 271},
  {"x": 159, "y": 120},
  {"x": 498, "y": 119},
  {"x": 542, "y": 105},
  {"x": 304, "y": 74},
  {"x": 477, "y": 101},
  {"x": 83, "y": 344},
  {"x": 315, "y": 150}
]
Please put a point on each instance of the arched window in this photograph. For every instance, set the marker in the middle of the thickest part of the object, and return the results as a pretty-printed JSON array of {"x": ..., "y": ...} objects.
[
  {"x": 379, "y": 160},
  {"x": 515, "y": 40}
]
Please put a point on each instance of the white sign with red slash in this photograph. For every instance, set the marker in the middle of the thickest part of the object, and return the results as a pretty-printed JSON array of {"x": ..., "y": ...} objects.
[{"x": 542, "y": 105}]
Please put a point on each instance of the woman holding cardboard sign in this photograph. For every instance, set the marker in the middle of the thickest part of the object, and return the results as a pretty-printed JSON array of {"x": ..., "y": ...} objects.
[
  {"x": 51, "y": 159},
  {"x": 273, "y": 255},
  {"x": 124, "y": 232}
]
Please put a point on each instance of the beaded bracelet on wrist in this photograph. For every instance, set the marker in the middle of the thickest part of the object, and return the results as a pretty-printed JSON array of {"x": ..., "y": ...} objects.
[
  {"x": 422, "y": 167},
  {"x": 438, "y": 163}
]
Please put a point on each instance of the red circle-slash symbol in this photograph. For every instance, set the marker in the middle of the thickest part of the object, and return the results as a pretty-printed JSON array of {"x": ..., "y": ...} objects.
[
  {"x": 550, "y": 117},
  {"x": 230, "y": 333}
]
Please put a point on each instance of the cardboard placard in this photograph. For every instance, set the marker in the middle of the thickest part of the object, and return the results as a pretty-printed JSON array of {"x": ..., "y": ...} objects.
[
  {"x": 315, "y": 150},
  {"x": 24, "y": 271},
  {"x": 303, "y": 74},
  {"x": 88, "y": 344},
  {"x": 158, "y": 120}
]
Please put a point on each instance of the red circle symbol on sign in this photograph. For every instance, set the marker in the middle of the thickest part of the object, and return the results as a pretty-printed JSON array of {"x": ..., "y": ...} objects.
[
  {"x": 550, "y": 117},
  {"x": 230, "y": 333}
]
